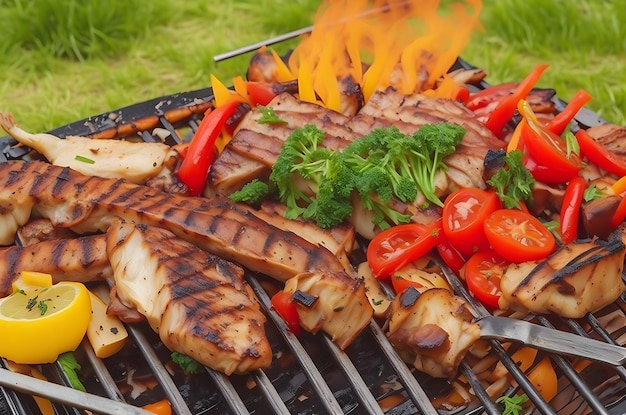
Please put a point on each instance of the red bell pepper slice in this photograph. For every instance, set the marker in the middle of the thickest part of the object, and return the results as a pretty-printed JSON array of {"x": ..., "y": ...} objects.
[
  {"x": 620, "y": 213},
  {"x": 570, "y": 208},
  {"x": 507, "y": 106},
  {"x": 600, "y": 155},
  {"x": 202, "y": 151},
  {"x": 558, "y": 124}
]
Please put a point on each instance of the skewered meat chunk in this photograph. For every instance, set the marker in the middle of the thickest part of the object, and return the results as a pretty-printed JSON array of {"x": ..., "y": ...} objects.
[
  {"x": 199, "y": 304},
  {"x": 82, "y": 259},
  {"x": 338, "y": 304},
  {"x": 89, "y": 204},
  {"x": 432, "y": 330},
  {"x": 578, "y": 278}
]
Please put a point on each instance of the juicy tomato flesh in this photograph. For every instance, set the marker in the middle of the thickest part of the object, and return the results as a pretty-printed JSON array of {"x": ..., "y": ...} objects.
[
  {"x": 518, "y": 236},
  {"x": 483, "y": 272},
  {"x": 464, "y": 213},
  {"x": 284, "y": 305},
  {"x": 399, "y": 245}
]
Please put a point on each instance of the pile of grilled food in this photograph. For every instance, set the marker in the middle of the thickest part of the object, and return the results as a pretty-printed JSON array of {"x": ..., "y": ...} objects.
[{"x": 91, "y": 210}]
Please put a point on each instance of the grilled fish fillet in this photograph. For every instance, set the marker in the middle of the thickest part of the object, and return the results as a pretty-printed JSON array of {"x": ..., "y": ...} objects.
[
  {"x": 432, "y": 330},
  {"x": 89, "y": 204},
  {"x": 81, "y": 259},
  {"x": 578, "y": 278},
  {"x": 136, "y": 162},
  {"x": 199, "y": 304}
]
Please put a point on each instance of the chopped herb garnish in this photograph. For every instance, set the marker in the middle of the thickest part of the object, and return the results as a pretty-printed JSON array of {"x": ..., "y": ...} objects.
[
  {"x": 268, "y": 116},
  {"x": 513, "y": 183},
  {"x": 186, "y": 363},
  {"x": 84, "y": 159},
  {"x": 571, "y": 144},
  {"x": 513, "y": 405},
  {"x": 592, "y": 193},
  {"x": 377, "y": 302},
  {"x": 70, "y": 366},
  {"x": 43, "y": 307},
  {"x": 20, "y": 291},
  {"x": 32, "y": 302}
]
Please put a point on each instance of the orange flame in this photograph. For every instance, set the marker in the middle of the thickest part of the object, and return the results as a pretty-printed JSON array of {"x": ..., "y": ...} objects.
[{"x": 401, "y": 43}]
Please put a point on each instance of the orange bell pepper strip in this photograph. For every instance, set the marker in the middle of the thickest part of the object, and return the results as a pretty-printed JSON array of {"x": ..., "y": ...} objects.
[{"x": 162, "y": 407}]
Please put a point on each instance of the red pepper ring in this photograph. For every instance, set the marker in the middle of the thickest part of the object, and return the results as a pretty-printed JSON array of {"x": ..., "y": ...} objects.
[
  {"x": 202, "y": 152},
  {"x": 570, "y": 208}
]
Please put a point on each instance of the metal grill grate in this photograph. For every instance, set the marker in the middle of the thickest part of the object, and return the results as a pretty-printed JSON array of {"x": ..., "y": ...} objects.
[{"x": 310, "y": 374}]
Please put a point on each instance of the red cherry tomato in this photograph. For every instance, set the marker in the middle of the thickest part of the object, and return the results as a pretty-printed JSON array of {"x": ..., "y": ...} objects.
[
  {"x": 399, "y": 245},
  {"x": 450, "y": 255},
  {"x": 518, "y": 236},
  {"x": 464, "y": 212},
  {"x": 284, "y": 305},
  {"x": 546, "y": 148},
  {"x": 483, "y": 273},
  {"x": 570, "y": 208}
]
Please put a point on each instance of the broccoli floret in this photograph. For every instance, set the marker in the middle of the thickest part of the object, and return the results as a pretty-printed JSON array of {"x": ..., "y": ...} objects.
[
  {"x": 324, "y": 172},
  {"x": 252, "y": 193}
]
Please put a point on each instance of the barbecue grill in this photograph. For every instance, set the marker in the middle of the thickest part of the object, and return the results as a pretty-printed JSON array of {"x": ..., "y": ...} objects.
[{"x": 309, "y": 373}]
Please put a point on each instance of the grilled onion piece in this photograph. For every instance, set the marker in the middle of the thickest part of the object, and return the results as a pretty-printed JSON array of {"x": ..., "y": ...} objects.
[
  {"x": 199, "y": 304},
  {"x": 578, "y": 278},
  {"x": 432, "y": 330},
  {"x": 339, "y": 308}
]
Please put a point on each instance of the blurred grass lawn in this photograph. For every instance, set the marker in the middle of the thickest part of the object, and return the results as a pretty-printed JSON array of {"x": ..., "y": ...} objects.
[{"x": 63, "y": 60}]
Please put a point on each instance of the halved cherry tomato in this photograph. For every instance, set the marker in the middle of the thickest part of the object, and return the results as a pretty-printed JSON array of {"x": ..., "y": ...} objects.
[
  {"x": 570, "y": 208},
  {"x": 284, "y": 305},
  {"x": 546, "y": 148},
  {"x": 464, "y": 212},
  {"x": 558, "y": 124},
  {"x": 399, "y": 245},
  {"x": 483, "y": 273},
  {"x": 518, "y": 236},
  {"x": 600, "y": 155},
  {"x": 450, "y": 255},
  {"x": 202, "y": 152},
  {"x": 506, "y": 107}
]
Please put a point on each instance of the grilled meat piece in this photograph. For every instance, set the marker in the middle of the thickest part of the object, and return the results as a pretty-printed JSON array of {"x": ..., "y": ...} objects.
[
  {"x": 136, "y": 162},
  {"x": 199, "y": 304},
  {"x": 39, "y": 230},
  {"x": 89, "y": 204},
  {"x": 578, "y": 278},
  {"x": 409, "y": 112},
  {"x": 255, "y": 146},
  {"x": 81, "y": 259},
  {"x": 339, "y": 304},
  {"x": 432, "y": 330}
]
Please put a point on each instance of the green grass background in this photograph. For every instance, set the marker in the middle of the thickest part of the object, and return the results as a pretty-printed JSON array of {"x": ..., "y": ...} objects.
[{"x": 63, "y": 60}]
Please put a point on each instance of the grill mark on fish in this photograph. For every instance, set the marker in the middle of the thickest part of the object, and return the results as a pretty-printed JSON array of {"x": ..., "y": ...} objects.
[{"x": 217, "y": 225}]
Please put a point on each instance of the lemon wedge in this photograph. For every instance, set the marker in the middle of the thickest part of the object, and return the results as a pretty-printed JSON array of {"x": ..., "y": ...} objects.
[
  {"x": 31, "y": 279},
  {"x": 38, "y": 324}
]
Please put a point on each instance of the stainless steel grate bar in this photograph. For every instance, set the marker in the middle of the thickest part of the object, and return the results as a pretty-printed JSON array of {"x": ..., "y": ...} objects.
[
  {"x": 228, "y": 392},
  {"x": 354, "y": 377},
  {"x": 171, "y": 391},
  {"x": 307, "y": 365},
  {"x": 271, "y": 394},
  {"x": 102, "y": 373}
]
